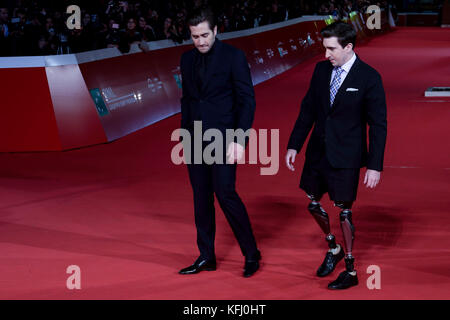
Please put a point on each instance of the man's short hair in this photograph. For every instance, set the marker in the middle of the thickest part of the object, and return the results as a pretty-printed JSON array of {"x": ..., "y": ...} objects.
[
  {"x": 202, "y": 14},
  {"x": 343, "y": 31}
]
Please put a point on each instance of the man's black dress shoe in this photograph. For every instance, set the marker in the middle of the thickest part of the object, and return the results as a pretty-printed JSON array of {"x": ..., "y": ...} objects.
[
  {"x": 329, "y": 263},
  {"x": 199, "y": 265},
  {"x": 251, "y": 265},
  {"x": 344, "y": 281}
]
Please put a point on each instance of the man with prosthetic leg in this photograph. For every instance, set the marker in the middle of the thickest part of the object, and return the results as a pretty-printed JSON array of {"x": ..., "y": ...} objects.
[
  {"x": 335, "y": 252},
  {"x": 345, "y": 96}
]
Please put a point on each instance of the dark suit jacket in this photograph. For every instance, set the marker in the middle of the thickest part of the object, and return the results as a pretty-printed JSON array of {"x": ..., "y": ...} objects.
[
  {"x": 341, "y": 131},
  {"x": 227, "y": 99}
]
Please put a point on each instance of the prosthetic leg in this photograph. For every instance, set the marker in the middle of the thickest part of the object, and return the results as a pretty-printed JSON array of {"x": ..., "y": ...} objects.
[
  {"x": 335, "y": 252},
  {"x": 348, "y": 278}
]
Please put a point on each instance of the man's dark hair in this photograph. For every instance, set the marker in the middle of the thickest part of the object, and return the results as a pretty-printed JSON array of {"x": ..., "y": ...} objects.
[
  {"x": 202, "y": 14},
  {"x": 343, "y": 31}
]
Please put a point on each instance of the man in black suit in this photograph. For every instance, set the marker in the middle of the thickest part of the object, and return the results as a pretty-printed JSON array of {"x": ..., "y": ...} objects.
[
  {"x": 345, "y": 95},
  {"x": 218, "y": 91}
]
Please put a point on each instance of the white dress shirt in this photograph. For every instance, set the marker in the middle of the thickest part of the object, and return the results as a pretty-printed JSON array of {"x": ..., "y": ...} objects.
[{"x": 346, "y": 67}]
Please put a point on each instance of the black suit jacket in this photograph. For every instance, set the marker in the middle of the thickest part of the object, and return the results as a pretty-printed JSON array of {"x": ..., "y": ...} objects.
[
  {"x": 227, "y": 99},
  {"x": 340, "y": 132}
]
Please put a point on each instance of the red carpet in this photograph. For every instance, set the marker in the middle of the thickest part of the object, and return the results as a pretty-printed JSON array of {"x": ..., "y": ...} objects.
[{"x": 123, "y": 212}]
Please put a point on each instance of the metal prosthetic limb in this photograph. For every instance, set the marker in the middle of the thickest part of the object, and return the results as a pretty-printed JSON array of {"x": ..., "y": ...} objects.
[
  {"x": 348, "y": 231},
  {"x": 322, "y": 219}
]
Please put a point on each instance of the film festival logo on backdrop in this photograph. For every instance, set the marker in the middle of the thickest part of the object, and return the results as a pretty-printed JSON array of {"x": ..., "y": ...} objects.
[{"x": 258, "y": 146}]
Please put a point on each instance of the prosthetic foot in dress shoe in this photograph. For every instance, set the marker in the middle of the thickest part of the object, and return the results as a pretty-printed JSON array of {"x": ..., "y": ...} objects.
[
  {"x": 344, "y": 281},
  {"x": 199, "y": 265},
  {"x": 347, "y": 278},
  {"x": 330, "y": 262},
  {"x": 251, "y": 265}
]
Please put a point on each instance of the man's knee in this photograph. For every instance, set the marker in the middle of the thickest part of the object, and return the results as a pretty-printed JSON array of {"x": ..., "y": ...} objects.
[
  {"x": 346, "y": 214},
  {"x": 314, "y": 206},
  {"x": 314, "y": 197},
  {"x": 344, "y": 205},
  {"x": 224, "y": 191}
]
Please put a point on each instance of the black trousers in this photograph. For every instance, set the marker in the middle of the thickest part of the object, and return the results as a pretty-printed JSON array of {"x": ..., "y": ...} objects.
[
  {"x": 219, "y": 179},
  {"x": 320, "y": 178}
]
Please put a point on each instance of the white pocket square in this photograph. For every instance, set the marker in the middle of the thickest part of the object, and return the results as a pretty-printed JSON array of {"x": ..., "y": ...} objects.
[{"x": 352, "y": 89}]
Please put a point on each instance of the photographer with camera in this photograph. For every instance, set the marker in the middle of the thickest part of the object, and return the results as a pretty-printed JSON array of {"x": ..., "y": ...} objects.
[
  {"x": 116, "y": 7},
  {"x": 112, "y": 37}
]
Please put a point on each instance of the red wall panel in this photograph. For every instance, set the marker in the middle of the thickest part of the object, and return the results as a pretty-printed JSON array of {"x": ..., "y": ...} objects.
[{"x": 27, "y": 121}]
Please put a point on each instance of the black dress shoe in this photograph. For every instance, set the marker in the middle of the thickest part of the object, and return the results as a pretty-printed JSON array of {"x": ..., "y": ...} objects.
[
  {"x": 251, "y": 265},
  {"x": 329, "y": 263},
  {"x": 344, "y": 281},
  {"x": 199, "y": 265}
]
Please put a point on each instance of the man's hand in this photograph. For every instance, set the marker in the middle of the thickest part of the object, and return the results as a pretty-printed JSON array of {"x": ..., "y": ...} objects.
[
  {"x": 235, "y": 152},
  {"x": 290, "y": 159},
  {"x": 143, "y": 46},
  {"x": 372, "y": 178}
]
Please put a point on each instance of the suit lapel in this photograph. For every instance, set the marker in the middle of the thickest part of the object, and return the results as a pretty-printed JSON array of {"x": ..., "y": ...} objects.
[
  {"x": 212, "y": 63},
  {"x": 193, "y": 81},
  {"x": 348, "y": 80},
  {"x": 326, "y": 97}
]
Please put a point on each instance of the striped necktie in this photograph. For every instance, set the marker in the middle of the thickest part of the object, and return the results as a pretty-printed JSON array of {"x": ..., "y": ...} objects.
[{"x": 335, "y": 84}]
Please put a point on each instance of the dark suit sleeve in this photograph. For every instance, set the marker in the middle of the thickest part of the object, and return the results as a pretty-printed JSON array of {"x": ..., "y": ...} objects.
[
  {"x": 185, "y": 96},
  {"x": 306, "y": 118},
  {"x": 376, "y": 118},
  {"x": 243, "y": 91}
]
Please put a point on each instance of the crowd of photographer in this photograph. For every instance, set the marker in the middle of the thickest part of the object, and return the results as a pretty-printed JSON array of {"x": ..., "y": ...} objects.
[{"x": 29, "y": 27}]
